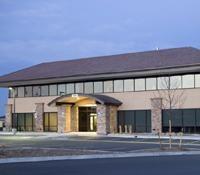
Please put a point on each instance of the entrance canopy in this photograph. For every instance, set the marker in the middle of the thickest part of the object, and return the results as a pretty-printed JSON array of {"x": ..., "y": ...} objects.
[{"x": 75, "y": 98}]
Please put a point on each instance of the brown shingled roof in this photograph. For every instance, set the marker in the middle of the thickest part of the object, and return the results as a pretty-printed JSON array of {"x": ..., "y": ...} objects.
[{"x": 129, "y": 62}]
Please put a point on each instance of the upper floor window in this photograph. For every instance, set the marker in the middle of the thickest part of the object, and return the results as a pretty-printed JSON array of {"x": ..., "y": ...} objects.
[
  {"x": 88, "y": 87},
  {"x": 151, "y": 83},
  {"x": 197, "y": 80},
  {"x": 61, "y": 89},
  {"x": 79, "y": 87},
  {"x": 53, "y": 90},
  {"x": 45, "y": 90},
  {"x": 28, "y": 91},
  {"x": 175, "y": 82},
  {"x": 108, "y": 86},
  {"x": 140, "y": 84},
  {"x": 70, "y": 88},
  {"x": 118, "y": 86},
  {"x": 98, "y": 87},
  {"x": 188, "y": 81},
  {"x": 128, "y": 85},
  {"x": 20, "y": 91},
  {"x": 36, "y": 91},
  {"x": 163, "y": 83}
]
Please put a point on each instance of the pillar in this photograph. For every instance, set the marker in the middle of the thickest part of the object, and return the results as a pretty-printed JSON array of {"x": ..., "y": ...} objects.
[
  {"x": 74, "y": 119},
  {"x": 62, "y": 112},
  {"x": 39, "y": 113},
  {"x": 8, "y": 117},
  {"x": 156, "y": 115},
  {"x": 113, "y": 119}
]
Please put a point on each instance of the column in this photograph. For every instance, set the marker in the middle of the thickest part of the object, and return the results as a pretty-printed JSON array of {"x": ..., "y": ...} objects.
[
  {"x": 39, "y": 112},
  {"x": 62, "y": 112},
  {"x": 113, "y": 119},
  {"x": 8, "y": 117},
  {"x": 156, "y": 115},
  {"x": 74, "y": 119}
]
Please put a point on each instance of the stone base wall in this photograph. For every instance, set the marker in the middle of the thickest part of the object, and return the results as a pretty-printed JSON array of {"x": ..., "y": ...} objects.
[
  {"x": 156, "y": 115},
  {"x": 39, "y": 113},
  {"x": 8, "y": 117}
]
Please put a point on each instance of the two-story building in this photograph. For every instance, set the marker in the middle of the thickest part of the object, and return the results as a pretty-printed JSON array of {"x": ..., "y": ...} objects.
[{"x": 107, "y": 94}]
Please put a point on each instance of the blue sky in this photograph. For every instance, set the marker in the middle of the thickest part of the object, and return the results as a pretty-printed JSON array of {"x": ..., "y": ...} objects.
[{"x": 34, "y": 31}]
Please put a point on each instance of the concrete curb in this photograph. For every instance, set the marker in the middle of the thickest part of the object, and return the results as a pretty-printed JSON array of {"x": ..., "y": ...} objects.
[{"x": 96, "y": 156}]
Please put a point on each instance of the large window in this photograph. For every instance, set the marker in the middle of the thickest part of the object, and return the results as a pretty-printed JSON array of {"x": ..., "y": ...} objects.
[
  {"x": 108, "y": 86},
  {"x": 45, "y": 90},
  {"x": 98, "y": 87},
  {"x": 53, "y": 90},
  {"x": 61, "y": 89},
  {"x": 138, "y": 120},
  {"x": 128, "y": 85},
  {"x": 70, "y": 88},
  {"x": 23, "y": 121},
  {"x": 79, "y": 87},
  {"x": 151, "y": 84},
  {"x": 118, "y": 86},
  {"x": 28, "y": 91},
  {"x": 50, "y": 122},
  {"x": 36, "y": 91},
  {"x": 186, "y": 120},
  {"x": 140, "y": 84},
  {"x": 88, "y": 87},
  {"x": 188, "y": 81}
]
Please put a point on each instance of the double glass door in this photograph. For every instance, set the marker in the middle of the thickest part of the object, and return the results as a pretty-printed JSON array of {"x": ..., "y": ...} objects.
[{"x": 87, "y": 119}]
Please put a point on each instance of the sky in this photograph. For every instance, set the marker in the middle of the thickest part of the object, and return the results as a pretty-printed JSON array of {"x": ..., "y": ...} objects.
[{"x": 35, "y": 31}]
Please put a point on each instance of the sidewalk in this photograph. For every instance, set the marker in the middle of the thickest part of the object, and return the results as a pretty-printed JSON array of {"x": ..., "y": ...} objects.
[{"x": 94, "y": 134}]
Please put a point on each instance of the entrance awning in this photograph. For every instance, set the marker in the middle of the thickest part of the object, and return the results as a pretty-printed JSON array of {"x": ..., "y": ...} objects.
[{"x": 74, "y": 98}]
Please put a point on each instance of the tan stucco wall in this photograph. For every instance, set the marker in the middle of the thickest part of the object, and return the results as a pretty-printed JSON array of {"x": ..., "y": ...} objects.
[{"x": 130, "y": 100}]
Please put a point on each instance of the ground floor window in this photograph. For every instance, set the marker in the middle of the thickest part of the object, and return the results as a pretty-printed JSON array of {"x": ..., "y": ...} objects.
[
  {"x": 137, "y": 120},
  {"x": 50, "y": 122},
  {"x": 185, "y": 120},
  {"x": 23, "y": 121}
]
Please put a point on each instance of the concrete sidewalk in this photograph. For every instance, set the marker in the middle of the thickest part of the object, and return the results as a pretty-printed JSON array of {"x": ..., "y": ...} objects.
[{"x": 94, "y": 134}]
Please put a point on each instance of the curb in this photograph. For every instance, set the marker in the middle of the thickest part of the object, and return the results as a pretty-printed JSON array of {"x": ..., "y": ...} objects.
[{"x": 96, "y": 156}]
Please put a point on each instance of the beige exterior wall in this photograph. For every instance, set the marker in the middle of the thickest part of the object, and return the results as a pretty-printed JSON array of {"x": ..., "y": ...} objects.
[{"x": 130, "y": 101}]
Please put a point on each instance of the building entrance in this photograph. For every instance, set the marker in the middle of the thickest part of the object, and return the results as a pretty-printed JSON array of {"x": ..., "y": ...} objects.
[{"x": 87, "y": 119}]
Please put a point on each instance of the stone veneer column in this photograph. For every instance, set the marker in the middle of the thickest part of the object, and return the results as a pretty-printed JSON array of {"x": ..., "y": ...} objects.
[
  {"x": 156, "y": 115},
  {"x": 8, "y": 117},
  {"x": 62, "y": 112},
  {"x": 113, "y": 119},
  {"x": 102, "y": 121},
  {"x": 74, "y": 119},
  {"x": 39, "y": 113}
]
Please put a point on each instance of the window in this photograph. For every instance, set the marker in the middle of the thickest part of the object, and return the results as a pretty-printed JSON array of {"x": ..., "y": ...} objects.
[
  {"x": 53, "y": 90},
  {"x": 36, "y": 91},
  {"x": 70, "y": 88},
  {"x": 50, "y": 122},
  {"x": 79, "y": 87},
  {"x": 61, "y": 89},
  {"x": 188, "y": 81},
  {"x": 88, "y": 87},
  {"x": 128, "y": 85},
  {"x": 28, "y": 91},
  {"x": 163, "y": 83},
  {"x": 45, "y": 90},
  {"x": 23, "y": 121},
  {"x": 108, "y": 86},
  {"x": 175, "y": 82},
  {"x": 197, "y": 80},
  {"x": 20, "y": 92},
  {"x": 98, "y": 87},
  {"x": 150, "y": 83},
  {"x": 118, "y": 85},
  {"x": 139, "y": 84}
]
